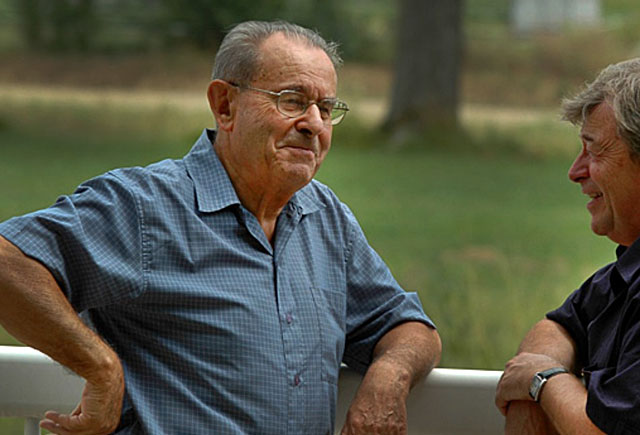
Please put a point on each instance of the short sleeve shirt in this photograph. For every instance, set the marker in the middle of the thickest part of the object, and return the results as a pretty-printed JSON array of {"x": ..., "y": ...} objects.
[
  {"x": 218, "y": 330},
  {"x": 603, "y": 317}
]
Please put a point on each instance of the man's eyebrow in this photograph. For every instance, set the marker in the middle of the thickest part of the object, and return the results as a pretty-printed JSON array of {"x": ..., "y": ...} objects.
[
  {"x": 304, "y": 90},
  {"x": 293, "y": 87},
  {"x": 587, "y": 137}
]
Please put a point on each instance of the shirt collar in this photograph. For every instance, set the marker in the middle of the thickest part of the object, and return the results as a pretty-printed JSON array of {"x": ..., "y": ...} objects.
[
  {"x": 306, "y": 200},
  {"x": 214, "y": 190},
  {"x": 628, "y": 260}
]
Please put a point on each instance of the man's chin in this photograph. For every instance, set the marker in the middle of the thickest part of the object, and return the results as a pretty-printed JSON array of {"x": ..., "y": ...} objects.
[
  {"x": 598, "y": 228},
  {"x": 298, "y": 173}
]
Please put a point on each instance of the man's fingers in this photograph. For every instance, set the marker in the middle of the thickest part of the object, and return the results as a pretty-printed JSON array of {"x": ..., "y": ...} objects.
[
  {"x": 500, "y": 403},
  {"x": 78, "y": 410},
  {"x": 502, "y": 406},
  {"x": 68, "y": 424},
  {"x": 52, "y": 424}
]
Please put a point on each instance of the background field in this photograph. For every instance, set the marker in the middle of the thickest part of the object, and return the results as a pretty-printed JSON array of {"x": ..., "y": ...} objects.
[
  {"x": 485, "y": 226},
  {"x": 491, "y": 236}
]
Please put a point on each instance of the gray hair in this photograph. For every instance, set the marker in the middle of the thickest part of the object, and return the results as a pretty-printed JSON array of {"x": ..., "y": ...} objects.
[
  {"x": 237, "y": 59},
  {"x": 619, "y": 85}
]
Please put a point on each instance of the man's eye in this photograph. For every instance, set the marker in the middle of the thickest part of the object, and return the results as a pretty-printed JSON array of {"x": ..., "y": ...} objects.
[
  {"x": 593, "y": 150},
  {"x": 325, "y": 111},
  {"x": 326, "y": 107},
  {"x": 292, "y": 101}
]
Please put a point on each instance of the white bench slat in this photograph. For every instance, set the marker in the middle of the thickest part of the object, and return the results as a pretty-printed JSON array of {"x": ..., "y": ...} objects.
[{"x": 449, "y": 401}]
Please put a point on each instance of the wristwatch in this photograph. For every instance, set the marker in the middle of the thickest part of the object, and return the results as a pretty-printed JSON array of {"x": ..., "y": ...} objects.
[{"x": 541, "y": 378}]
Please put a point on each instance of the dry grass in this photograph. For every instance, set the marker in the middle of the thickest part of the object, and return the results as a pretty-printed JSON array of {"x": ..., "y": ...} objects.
[
  {"x": 179, "y": 70},
  {"x": 498, "y": 69}
]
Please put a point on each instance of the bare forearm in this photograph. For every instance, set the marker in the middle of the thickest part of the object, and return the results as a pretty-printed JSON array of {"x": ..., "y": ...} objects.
[
  {"x": 402, "y": 357},
  {"x": 525, "y": 417},
  {"x": 564, "y": 401},
  {"x": 411, "y": 347},
  {"x": 546, "y": 345},
  {"x": 551, "y": 339},
  {"x": 35, "y": 311}
]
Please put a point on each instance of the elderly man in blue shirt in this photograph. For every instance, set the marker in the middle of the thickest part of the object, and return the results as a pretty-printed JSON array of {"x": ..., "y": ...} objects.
[
  {"x": 578, "y": 370},
  {"x": 220, "y": 293}
]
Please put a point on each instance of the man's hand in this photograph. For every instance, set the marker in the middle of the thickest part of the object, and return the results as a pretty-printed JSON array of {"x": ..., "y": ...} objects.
[
  {"x": 97, "y": 413},
  {"x": 401, "y": 358},
  {"x": 379, "y": 407},
  {"x": 517, "y": 376}
]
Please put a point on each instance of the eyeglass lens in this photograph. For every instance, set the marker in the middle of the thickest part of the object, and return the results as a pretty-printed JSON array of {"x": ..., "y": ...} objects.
[{"x": 294, "y": 104}]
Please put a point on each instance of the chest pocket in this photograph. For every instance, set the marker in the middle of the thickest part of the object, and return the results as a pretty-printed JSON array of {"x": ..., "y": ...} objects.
[{"x": 330, "y": 308}]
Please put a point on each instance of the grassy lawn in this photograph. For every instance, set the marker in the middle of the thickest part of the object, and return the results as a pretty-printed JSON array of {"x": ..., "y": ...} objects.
[
  {"x": 491, "y": 235},
  {"x": 490, "y": 243}
]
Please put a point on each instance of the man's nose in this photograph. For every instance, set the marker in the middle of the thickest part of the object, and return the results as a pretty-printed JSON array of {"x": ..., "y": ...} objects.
[
  {"x": 579, "y": 170},
  {"x": 311, "y": 123}
]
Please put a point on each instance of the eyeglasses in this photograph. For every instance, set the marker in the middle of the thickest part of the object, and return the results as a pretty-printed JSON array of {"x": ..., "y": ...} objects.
[{"x": 293, "y": 104}]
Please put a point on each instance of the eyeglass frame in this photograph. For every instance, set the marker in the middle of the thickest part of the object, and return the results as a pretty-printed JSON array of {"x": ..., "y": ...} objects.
[{"x": 336, "y": 102}]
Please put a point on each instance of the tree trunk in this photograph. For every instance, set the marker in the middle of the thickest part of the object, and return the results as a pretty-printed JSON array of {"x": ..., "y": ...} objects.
[
  {"x": 30, "y": 22},
  {"x": 425, "y": 90}
]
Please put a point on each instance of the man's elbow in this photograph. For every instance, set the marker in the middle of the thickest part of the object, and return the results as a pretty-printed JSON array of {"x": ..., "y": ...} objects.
[{"x": 436, "y": 347}]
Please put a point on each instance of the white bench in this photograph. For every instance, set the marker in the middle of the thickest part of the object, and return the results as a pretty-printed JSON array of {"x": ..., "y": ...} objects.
[{"x": 449, "y": 401}]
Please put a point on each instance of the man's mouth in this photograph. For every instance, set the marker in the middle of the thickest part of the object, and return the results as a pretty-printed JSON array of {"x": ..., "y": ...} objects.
[
  {"x": 595, "y": 199},
  {"x": 300, "y": 149}
]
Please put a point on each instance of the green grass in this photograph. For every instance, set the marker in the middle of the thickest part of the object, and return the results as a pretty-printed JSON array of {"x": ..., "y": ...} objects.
[
  {"x": 490, "y": 232},
  {"x": 490, "y": 243},
  {"x": 11, "y": 426}
]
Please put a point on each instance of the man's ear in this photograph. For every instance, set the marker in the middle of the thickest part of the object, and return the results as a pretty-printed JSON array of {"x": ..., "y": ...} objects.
[{"x": 221, "y": 96}]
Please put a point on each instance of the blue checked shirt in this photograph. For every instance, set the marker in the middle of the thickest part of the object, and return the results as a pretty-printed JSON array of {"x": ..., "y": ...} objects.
[{"x": 218, "y": 331}]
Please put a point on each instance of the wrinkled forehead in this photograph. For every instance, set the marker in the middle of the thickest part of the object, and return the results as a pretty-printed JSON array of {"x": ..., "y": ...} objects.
[
  {"x": 283, "y": 59},
  {"x": 600, "y": 115}
]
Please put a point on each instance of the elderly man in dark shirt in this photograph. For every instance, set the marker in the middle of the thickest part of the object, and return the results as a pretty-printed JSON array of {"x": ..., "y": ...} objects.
[{"x": 578, "y": 370}]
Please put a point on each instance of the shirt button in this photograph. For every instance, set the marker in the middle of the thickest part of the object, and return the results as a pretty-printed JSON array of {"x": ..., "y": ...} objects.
[
  {"x": 296, "y": 380},
  {"x": 289, "y": 318}
]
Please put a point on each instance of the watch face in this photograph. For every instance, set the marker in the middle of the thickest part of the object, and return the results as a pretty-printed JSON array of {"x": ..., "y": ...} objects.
[
  {"x": 534, "y": 388},
  {"x": 540, "y": 378}
]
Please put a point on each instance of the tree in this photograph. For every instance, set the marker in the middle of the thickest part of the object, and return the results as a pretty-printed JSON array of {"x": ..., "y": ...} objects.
[
  {"x": 61, "y": 25},
  {"x": 425, "y": 89},
  {"x": 30, "y": 23},
  {"x": 205, "y": 22}
]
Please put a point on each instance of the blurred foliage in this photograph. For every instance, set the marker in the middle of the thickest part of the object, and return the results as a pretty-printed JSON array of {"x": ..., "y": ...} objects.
[
  {"x": 152, "y": 44},
  {"x": 203, "y": 22},
  {"x": 365, "y": 28},
  {"x": 487, "y": 11},
  {"x": 57, "y": 25},
  {"x": 362, "y": 26}
]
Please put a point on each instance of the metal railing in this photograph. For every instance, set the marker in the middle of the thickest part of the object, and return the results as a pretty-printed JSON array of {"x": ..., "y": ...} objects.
[{"x": 449, "y": 401}]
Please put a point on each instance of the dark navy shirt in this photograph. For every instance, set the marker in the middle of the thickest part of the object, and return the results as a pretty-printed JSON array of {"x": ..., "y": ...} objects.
[
  {"x": 603, "y": 317},
  {"x": 218, "y": 330}
]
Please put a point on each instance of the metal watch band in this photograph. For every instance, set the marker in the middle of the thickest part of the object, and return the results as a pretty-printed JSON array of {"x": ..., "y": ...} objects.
[{"x": 541, "y": 378}]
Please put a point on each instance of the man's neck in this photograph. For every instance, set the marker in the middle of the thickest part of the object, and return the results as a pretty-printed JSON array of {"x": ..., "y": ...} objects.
[{"x": 265, "y": 199}]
